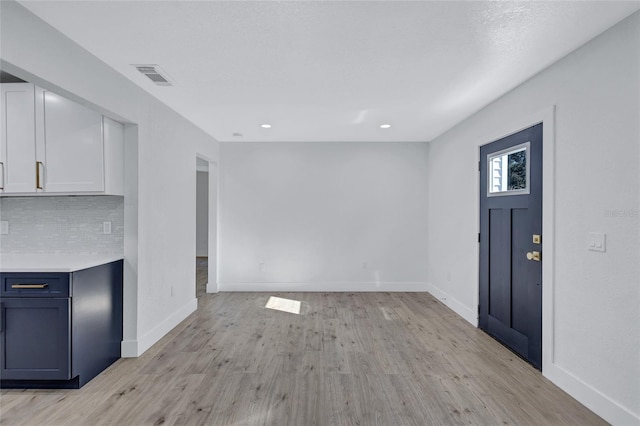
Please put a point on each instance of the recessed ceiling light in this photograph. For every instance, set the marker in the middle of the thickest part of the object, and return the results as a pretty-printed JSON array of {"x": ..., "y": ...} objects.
[
  {"x": 385, "y": 126},
  {"x": 265, "y": 126}
]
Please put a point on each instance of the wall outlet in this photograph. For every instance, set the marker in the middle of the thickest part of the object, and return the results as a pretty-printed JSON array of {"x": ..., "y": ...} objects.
[
  {"x": 4, "y": 227},
  {"x": 365, "y": 264},
  {"x": 106, "y": 227},
  {"x": 597, "y": 241},
  {"x": 261, "y": 266}
]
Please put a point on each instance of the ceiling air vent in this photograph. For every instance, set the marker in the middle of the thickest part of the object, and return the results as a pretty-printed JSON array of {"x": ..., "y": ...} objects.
[{"x": 155, "y": 74}]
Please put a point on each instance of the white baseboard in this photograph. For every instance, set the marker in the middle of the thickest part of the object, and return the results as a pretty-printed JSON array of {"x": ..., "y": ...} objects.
[
  {"x": 129, "y": 349},
  {"x": 211, "y": 287},
  {"x": 471, "y": 315},
  {"x": 135, "y": 348},
  {"x": 590, "y": 397},
  {"x": 408, "y": 286}
]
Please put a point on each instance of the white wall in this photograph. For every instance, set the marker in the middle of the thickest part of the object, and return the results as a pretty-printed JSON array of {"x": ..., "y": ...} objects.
[
  {"x": 159, "y": 285},
  {"x": 312, "y": 213},
  {"x": 594, "y": 335},
  {"x": 202, "y": 214}
]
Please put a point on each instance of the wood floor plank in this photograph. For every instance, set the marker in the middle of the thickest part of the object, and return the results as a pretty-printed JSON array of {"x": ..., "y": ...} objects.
[{"x": 346, "y": 359}]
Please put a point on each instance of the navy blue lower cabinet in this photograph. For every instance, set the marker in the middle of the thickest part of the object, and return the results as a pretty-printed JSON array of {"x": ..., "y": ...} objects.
[
  {"x": 35, "y": 343},
  {"x": 59, "y": 330}
]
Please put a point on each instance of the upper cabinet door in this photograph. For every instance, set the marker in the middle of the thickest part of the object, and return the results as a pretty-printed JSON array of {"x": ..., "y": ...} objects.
[
  {"x": 73, "y": 147},
  {"x": 17, "y": 142}
]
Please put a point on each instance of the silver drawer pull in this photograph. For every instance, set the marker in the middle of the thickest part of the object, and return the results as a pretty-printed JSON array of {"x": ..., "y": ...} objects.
[{"x": 29, "y": 285}]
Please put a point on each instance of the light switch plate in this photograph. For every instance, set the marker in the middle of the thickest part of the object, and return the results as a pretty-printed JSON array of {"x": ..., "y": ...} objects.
[
  {"x": 106, "y": 227},
  {"x": 4, "y": 227},
  {"x": 597, "y": 241}
]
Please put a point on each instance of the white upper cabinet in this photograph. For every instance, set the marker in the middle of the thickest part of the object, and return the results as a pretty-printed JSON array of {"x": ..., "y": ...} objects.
[
  {"x": 71, "y": 152},
  {"x": 18, "y": 139},
  {"x": 52, "y": 145}
]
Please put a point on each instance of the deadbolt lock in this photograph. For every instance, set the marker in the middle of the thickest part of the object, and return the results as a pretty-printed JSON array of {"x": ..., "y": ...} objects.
[
  {"x": 537, "y": 239},
  {"x": 533, "y": 255}
]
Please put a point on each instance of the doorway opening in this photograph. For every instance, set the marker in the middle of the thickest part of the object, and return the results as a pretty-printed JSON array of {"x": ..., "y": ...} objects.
[
  {"x": 202, "y": 226},
  {"x": 206, "y": 262}
]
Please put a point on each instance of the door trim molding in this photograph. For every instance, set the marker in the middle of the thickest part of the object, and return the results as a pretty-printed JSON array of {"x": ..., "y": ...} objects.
[{"x": 547, "y": 117}]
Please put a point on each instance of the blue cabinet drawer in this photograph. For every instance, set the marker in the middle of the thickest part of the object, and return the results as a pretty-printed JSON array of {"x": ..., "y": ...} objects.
[{"x": 35, "y": 285}]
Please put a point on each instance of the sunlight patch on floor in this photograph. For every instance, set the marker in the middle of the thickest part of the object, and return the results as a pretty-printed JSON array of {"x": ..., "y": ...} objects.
[{"x": 284, "y": 305}]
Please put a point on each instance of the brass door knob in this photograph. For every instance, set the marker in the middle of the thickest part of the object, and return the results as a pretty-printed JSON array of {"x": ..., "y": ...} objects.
[{"x": 533, "y": 255}]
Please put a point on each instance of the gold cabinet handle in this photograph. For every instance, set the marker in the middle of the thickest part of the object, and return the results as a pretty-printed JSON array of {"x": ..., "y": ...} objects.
[
  {"x": 533, "y": 255},
  {"x": 29, "y": 286},
  {"x": 39, "y": 165}
]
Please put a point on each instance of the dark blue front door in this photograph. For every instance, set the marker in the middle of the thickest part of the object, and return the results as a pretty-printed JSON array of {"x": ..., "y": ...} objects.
[{"x": 511, "y": 242}]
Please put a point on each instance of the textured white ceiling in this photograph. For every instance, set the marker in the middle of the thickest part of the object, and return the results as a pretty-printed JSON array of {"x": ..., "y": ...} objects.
[{"x": 331, "y": 70}]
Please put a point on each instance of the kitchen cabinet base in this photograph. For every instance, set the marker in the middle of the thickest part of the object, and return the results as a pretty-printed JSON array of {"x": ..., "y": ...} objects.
[
  {"x": 59, "y": 330},
  {"x": 75, "y": 383},
  {"x": 41, "y": 384}
]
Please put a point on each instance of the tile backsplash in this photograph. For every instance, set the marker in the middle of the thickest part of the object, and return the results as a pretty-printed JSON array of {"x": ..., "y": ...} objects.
[{"x": 62, "y": 225}]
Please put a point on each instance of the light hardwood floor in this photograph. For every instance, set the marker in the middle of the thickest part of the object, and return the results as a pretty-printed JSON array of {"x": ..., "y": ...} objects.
[{"x": 347, "y": 359}]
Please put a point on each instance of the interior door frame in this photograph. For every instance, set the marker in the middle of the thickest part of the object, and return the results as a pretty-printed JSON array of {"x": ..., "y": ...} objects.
[{"x": 547, "y": 118}]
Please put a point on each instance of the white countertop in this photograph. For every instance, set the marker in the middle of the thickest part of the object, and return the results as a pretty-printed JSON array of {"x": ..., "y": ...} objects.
[{"x": 53, "y": 262}]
